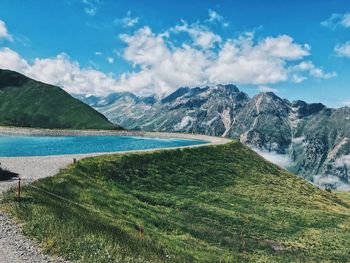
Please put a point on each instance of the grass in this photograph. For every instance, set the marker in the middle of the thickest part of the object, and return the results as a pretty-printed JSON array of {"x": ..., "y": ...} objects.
[
  {"x": 28, "y": 103},
  {"x": 6, "y": 175},
  {"x": 208, "y": 204}
]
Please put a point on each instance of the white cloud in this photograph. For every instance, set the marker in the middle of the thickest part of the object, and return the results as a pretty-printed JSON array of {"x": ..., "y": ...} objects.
[
  {"x": 330, "y": 180},
  {"x": 263, "y": 88},
  {"x": 336, "y": 20},
  {"x": 161, "y": 64},
  {"x": 110, "y": 60},
  {"x": 343, "y": 50},
  {"x": 98, "y": 53},
  {"x": 91, "y": 6},
  {"x": 128, "y": 20},
  {"x": 61, "y": 71},
  {"x": 346, "y": 20},
  {"x": 282, "y": 160},
  {"x": 244, "y": 61},
  {"x": 9, "y": 59},
  {"x": 162, "y": 68},
  {"x": 345, "y": 102},
  {"x": 91, "y": 11},
  {"x": 343, "y": 160},
  {"x": 216, "y": 17},
  {"x": 298, "y": 78},
  {"x": 307, "y": 67},
  {"x": 4, "y": 34},
  {"x": 284, "y": 47},
  {"x": 201, "y": 36}
]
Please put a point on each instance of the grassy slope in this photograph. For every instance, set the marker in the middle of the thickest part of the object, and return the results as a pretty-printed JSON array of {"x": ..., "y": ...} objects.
[
  {"x": 28, "y": 103},
  {"x": 203, "y": 204}
]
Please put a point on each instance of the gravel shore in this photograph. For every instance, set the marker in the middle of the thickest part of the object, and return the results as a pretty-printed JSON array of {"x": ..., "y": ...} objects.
[
  {"x": 36, "y": 167},
  {"x": 16, "y": 248}
]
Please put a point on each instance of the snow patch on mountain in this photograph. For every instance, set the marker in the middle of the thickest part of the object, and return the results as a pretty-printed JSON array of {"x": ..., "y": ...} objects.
[
  {"x": 226, "y": 119},
  {"x": 186, "y": 121},
  {"x": 298, "y": 140}
]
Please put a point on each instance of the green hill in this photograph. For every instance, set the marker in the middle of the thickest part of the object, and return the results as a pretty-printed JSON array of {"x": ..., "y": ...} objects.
[
  {"x": 207, "y": 204},
  {"x": 25, "y": 102}
]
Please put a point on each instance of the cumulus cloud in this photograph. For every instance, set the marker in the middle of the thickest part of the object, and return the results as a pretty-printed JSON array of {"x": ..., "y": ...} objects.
[
  {"x": 245, "y": 61},
  {"x": 343, "y": 50},
  {"x": 331, "y": 181},
  {"x": 4, "y": 34},
  {"x": 282, "y": 160},
  {"x": 9, "y": 59},
  {"x": 284, "y": 47},
  {"x": 240, "y": 61},
  {"x": 161, "y": 63},
  {"x": 201, "y": 36},
  {"x": 60, "y": 71},
  {"x": 307, "y": 67},
  {"x": 162, "y": 68},
  {"x": 336, "y": 20}
]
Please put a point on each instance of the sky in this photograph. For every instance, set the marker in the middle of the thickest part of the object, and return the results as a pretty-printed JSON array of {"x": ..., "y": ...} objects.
[{"x": 297, "y": 49}]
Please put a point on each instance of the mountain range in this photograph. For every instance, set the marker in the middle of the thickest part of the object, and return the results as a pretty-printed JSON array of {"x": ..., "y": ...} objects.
[
  {"x": 310, "y": 140},
  {"x": 25, "y": 102}
]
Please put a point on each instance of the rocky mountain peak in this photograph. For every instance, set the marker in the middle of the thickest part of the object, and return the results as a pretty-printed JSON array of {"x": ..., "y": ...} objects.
[
  {"x": 176, "y": 94},
  {"x": 270, "y": 103},
  {"x": 227, "y": 87},
  {"x": 310, "y": 139},
  {"x": 268, "y": 95},
  {"x": 304, "y": 109}
]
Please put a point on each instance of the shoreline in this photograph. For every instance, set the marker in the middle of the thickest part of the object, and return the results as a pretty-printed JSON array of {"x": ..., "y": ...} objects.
[
  {"x": 13, "y": 131},
  {"x": 32, "y": 168}
]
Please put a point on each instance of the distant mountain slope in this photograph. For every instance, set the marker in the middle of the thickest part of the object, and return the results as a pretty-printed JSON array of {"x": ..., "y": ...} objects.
[
  {"x": 25, "y": 102},
  {"x": 312, "y": 140}
]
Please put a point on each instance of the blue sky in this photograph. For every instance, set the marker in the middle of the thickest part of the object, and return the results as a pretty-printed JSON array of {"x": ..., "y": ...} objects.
[{"x": 299, "y": 49}]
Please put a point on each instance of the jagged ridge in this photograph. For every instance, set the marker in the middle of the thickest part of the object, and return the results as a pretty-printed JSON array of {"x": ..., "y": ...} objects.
[{"x": 313, "y": 138}]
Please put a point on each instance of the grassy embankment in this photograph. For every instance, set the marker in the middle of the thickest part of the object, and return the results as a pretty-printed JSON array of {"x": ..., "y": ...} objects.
[{"x": 208, "y": 204}]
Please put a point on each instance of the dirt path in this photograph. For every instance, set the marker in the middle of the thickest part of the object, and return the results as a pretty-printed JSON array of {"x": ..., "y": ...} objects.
[{"x": 16, "y": 248}]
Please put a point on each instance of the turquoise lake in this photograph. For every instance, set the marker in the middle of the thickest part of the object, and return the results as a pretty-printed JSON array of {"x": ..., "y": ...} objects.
[{"x": 14, "y": 146}]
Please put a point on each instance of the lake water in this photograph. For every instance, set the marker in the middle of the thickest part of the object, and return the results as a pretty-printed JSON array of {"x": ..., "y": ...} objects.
[{"x": 12, "y": 146}]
